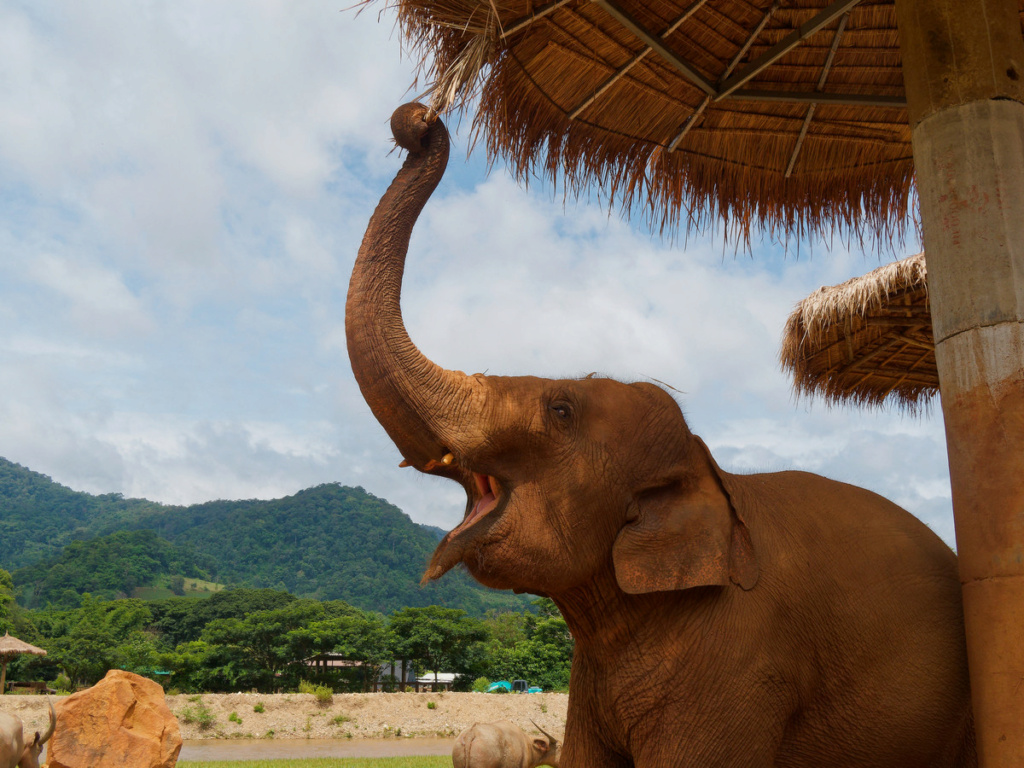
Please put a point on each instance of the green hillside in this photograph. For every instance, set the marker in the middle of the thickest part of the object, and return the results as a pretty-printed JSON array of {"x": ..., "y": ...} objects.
[
  {"x": 330, "y": 542},
  {"x": 111, "y": 567},
  {"x": 39, "y": 517}
]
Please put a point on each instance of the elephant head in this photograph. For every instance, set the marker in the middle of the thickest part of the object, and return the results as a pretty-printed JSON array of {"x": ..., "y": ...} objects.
[
  {"x": 563, "y": 477},
  {"x": 545, "y": 749},
  {"x": 30, "y": 757},
  {"x": 15, "y": 750}
]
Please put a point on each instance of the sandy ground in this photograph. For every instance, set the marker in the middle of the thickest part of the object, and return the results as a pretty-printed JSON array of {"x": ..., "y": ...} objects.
[{"x": 350, "y": 715}]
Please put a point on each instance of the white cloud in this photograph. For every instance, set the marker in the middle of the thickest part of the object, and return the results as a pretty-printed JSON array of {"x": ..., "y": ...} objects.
[{"x": 99, "y": 302}]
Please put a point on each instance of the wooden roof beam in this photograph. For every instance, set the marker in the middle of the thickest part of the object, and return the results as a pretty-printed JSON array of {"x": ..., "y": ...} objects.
[
  {"x": 685, "y": 68},
  {"x": 919, "y": 322},
  {"x": 821, "y": 86},
  {"x": 859, "y": 362},
  {"x": 814, "y": 97},
  {"x": 526, "y": 21},
  {"x": 731, "y": 86},
  {"x": 751, "y": 38},
  {"x": 788, "y": 43},
  {"x": 625, "y": 68},
  {"x": 889, "y": 374},
  {"x": 691, "y": 121}
]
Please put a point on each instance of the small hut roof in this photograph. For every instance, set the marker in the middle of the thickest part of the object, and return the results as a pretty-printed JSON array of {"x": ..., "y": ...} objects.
[
  {"x": 867, "y": 341},
  {"x": 790, "y": 114},
  {"x": 12, "y": 646}
]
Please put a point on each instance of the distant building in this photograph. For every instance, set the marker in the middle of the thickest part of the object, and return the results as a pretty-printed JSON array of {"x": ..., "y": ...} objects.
[
  {"x": 386, "y": 677},
  {"x": 390, "y": 675}
]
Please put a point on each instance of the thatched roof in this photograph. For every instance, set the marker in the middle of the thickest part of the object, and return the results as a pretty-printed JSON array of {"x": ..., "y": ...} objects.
[
  {"x": 787, "y": 113},
  {"x": 12, "y": 646},
  {"x": 867, "y": 341}
]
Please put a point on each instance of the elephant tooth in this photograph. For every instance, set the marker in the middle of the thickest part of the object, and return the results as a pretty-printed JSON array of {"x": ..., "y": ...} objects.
[
  {"x": 447, "y": 459},
  {"x": 404, "y": 464}
]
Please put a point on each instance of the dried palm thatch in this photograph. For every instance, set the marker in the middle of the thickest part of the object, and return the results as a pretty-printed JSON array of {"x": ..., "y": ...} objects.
[
  {"x": 10, "y": 648},
  {"x": 789, "y": 114},
  {"x": 866, "y": 341}
]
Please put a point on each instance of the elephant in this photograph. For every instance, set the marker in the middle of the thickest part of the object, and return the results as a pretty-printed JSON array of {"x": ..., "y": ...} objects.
[
  {"x": 772, "y": 619},
  {"x": 14, "y": 752},
  {"x": 503, "y": 745}
]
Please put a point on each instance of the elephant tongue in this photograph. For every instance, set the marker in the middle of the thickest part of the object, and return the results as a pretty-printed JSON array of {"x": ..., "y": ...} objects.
[{"x": 488, "y": 500}]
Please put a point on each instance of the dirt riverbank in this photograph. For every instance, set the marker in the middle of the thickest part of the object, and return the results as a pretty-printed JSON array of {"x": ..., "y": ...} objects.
[{"x": 355, "y": 715}]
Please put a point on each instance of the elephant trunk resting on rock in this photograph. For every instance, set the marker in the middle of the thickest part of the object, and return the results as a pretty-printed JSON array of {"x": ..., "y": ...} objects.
[
  {"x": 14, "y": 752},
  {"x": 503, "y": 745},
  {"x": 777, "y": 619}
]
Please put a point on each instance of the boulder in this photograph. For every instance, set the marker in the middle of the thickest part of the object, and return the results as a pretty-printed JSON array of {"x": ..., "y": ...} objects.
[{"x": 121, "y": 721}]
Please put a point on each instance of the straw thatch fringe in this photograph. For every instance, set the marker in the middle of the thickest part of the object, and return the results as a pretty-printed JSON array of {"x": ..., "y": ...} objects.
[
  {"x": 867, "y": 341},
  {"x": 11, "y": 646},
  {"x": 533, "y": 87}
]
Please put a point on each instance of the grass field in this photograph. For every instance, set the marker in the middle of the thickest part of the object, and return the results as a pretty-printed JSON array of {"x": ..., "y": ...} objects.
[
  {"x": 161, "y": 589},
  {"x": 434, "y": 761}
]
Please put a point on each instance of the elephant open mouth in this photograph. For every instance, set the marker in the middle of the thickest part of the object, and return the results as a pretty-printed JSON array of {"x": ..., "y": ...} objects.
[
  {"x": 490, "y": 497},
  {"x": 486, "y": 500}
]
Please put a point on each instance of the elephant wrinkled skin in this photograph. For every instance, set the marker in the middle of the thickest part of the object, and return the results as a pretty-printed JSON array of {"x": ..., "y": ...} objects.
[{"x": 777, "y": 619}]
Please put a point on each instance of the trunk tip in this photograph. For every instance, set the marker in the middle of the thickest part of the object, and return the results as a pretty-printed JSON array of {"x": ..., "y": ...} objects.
[{"x": 410, "y": 124}]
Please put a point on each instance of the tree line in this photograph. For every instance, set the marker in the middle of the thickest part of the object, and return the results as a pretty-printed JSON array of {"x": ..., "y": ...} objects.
[{"x": 264, "y": 639}]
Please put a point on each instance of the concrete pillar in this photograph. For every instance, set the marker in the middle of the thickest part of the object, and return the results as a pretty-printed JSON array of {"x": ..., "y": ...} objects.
[{"x": 963, "y": 67}]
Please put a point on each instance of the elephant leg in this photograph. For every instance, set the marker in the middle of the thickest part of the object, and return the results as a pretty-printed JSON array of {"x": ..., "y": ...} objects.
[
  {"x": 741, "y": 728},
  {"x": 590, "y": 753},
  {"x": 585, "y": 743},
  {"x": 734, "y": 747}
]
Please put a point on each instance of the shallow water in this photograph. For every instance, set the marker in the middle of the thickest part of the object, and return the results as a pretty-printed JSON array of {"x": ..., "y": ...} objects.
[{"x": 263, "y": 749}]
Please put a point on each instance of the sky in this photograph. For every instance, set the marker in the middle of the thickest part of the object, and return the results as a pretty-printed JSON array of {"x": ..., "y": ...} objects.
[{"x": 183, "y": 188}]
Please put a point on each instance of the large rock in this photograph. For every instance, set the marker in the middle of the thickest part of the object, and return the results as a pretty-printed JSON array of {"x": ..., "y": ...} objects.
[{"x": 121, "y": 721}]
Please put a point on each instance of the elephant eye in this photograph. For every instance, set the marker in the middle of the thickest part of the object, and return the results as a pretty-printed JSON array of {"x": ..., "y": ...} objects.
[{"x": 561, "y": 410}]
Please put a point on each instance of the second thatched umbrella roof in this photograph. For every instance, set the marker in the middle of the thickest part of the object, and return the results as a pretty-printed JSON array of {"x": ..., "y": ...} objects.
[
  {"x": 11, "y": 648},
  {"x": 866, "y": 341}
]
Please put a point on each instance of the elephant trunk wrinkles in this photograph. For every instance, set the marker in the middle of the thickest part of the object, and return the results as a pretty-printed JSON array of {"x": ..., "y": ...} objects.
[{"x": 406, "y": 391}]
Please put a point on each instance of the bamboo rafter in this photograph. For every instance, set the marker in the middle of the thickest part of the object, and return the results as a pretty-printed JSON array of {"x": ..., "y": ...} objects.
[{"x": 821, "y": 86}]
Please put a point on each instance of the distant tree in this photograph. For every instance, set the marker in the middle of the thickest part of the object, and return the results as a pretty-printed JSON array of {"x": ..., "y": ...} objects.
[
  {"x": 546, "y": 608},
  {"x": 437, "y": 639},
  {"x": 177, "y": 585},
  {"x": 6, "y": 601},
  {"x": 181, "y": 620},
  {"x": 508, "y": 628},
  {"x": 537, "y": 648},
  {"x": 268, "y": 649},
  {"x": 99, "y": 636}
]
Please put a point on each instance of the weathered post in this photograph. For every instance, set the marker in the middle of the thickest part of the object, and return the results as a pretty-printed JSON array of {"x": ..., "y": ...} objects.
[{"x": 963, "y": 67}]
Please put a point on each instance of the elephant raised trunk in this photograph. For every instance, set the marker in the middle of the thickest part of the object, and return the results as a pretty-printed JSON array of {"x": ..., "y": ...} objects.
[{"x": 412, "y": 398}]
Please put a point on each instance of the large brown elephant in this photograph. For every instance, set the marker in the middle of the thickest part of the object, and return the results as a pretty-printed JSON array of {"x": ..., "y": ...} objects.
[{"x": 775, "y": 619}]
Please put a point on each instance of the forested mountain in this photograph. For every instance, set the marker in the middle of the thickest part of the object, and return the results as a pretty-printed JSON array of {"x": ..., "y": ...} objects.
[
  {"x": 329, "y": 542},
  {"x": 38, "y": 517}
]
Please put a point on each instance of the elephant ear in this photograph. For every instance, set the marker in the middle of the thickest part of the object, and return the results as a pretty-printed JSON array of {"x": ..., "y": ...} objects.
[
  {"x": 686, "y": 533},
  {"x": 540, "y": 747}
]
